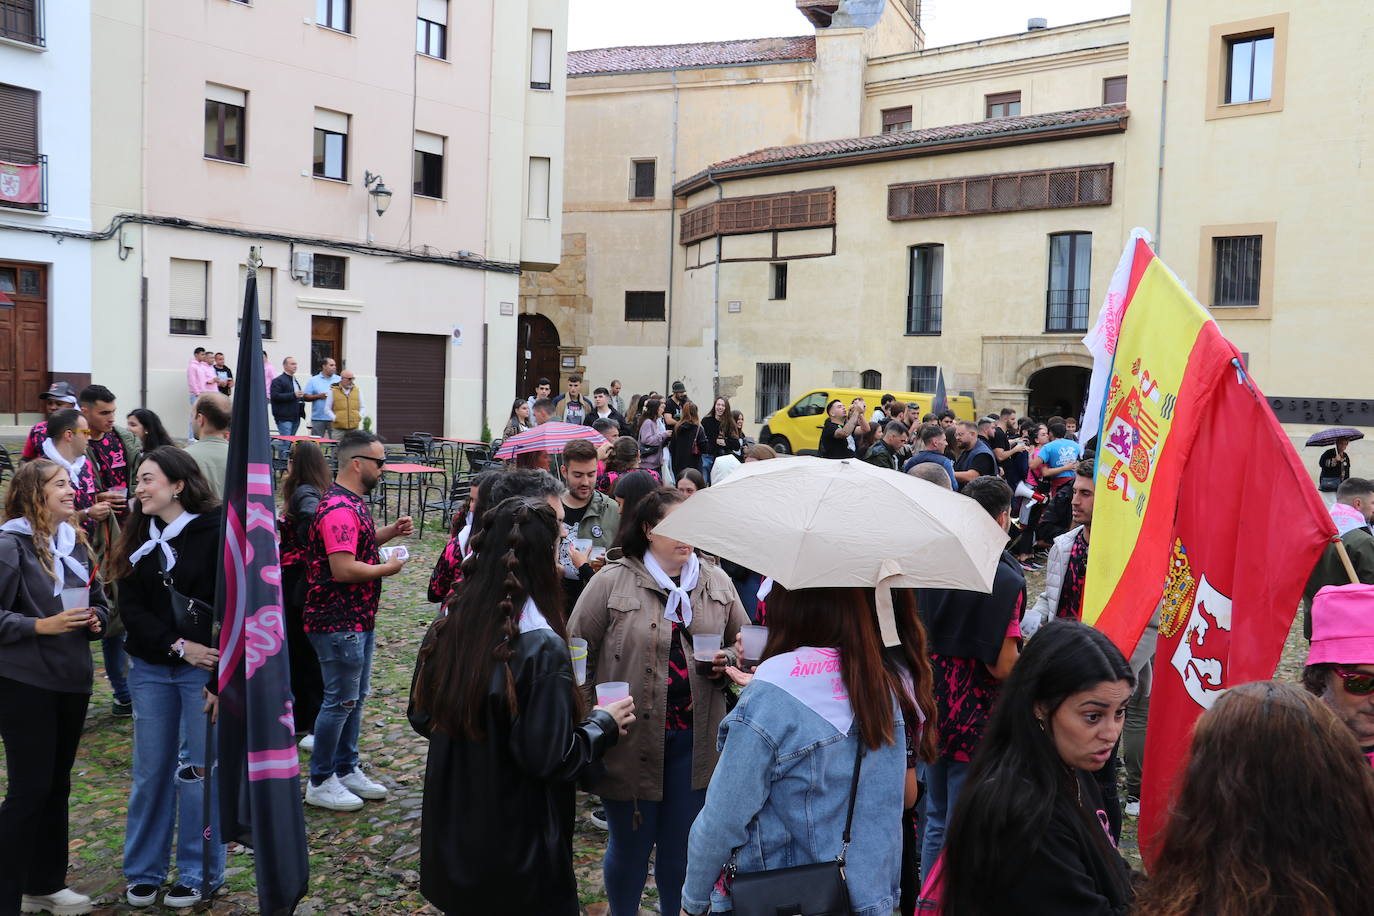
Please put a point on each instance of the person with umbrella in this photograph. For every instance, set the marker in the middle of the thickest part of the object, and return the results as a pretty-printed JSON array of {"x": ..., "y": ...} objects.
[{"x": 1334, "y": 465}]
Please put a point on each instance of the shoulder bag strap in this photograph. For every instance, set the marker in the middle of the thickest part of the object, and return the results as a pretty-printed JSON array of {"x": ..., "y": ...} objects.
[{"x": 853, "y": 793}]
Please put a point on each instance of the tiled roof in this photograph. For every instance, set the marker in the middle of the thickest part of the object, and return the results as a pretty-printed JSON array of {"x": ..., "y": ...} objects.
[
  {"x": 992, "y": 128},
  {"x": 678, "y": 57}
]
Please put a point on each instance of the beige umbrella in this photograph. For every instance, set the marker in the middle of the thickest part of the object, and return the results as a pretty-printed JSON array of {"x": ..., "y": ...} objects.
[{"x": 817, "y": 523}]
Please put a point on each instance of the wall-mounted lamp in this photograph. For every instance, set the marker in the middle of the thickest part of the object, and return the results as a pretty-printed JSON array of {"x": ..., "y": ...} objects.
[{"x": 381, "y": 194}]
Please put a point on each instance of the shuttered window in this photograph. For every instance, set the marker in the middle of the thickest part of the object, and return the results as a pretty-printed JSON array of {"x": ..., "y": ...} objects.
[
  {"x": 541, "y": 59},
  {"x": 18, "y": 124},
  {"x": 1083, "y": 186},
  {"x": 810, "y": 209},
  {"x": 896, "y": 119},
  {"x": 22, "y": 20},
  {"x": 431, "y": 28},
  {"x": 429, "y": 165},
  {"x": 1003, "y": 105},
  {"x": 187, "y": 291},
  {"x": 1114, "y": 90},
  {"x": 267, "y": 284}
]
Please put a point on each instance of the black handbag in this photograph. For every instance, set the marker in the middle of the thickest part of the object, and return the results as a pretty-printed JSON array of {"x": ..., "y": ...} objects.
[
  {"x": 820, "y": 889},
  {"x": 194, "y": 618}
]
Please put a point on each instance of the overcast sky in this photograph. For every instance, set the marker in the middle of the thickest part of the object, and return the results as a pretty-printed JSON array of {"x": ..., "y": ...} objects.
[{"x": 608, "y": 23}]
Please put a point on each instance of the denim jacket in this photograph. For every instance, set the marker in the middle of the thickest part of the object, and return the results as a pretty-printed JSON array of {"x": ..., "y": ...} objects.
[{"x": 780, "y": 794}]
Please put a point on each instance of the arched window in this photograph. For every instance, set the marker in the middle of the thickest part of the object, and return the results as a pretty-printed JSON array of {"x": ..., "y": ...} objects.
[{"x": 871, "y": 378}]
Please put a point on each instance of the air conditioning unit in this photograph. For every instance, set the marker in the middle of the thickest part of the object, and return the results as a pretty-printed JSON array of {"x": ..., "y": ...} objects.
[{"x": 303, "y": 267}]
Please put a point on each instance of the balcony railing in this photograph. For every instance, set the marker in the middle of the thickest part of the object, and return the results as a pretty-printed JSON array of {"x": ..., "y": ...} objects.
[
  {"x": 923, "y": 314},
  {"x": 22, "y": 20},
  {"x": 14, "y": 183},
  {"x": 1066, "y": 311}
]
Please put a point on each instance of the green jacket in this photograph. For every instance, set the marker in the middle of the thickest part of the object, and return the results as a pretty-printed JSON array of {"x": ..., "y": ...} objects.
[
  {"x": 1359, "y": 545},
  {"x": 601, "y": 520},
  {"x": 882, "y": 456}
]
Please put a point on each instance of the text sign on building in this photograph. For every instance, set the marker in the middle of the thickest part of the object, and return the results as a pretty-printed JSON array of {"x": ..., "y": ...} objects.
[{"x": 1325, "y": 411}]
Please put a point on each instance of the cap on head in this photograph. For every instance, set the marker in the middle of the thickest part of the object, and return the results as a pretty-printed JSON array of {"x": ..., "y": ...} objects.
[
  {"x": 679, "y": 388},
  {"x": 59, "y": 391},
  {"x": 1343, "y": 626}
]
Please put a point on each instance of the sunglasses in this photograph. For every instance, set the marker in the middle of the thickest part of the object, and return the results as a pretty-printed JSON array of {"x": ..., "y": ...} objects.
[
  {"x": 1356, "y": 683},
  {"x": 381, "y": 462}
]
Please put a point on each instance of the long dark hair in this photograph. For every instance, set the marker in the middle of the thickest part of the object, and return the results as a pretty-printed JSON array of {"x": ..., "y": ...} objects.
[
  {"x": 1275, "y": 813},
  {"x": 911, "y": 658},
  {"x": 307, "y": 467},
  {"x": 650, "y": 409},
  {"x": 691, "y": 417},
  {"x": 1017, "y": 775},
  {"x": 840, "y": 618},
  {"x": 512, "y": 560},
  {"x": 648, "y": 512},
  {"x": 631, "y": 488},
  {"x": 623, "y": 456},
  {"x": 155, "y": 435},
  {"x": 196, "y": 496}
]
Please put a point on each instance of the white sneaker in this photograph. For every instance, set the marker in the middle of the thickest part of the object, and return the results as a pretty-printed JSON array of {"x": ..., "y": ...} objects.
[
  {"x": 332, "y": 794},
  {"x": 307, "y": 743},
  {"x": 1132, "y": 808},
  {"x": 358, "y": 783},
  {"x": 65, "y": 902}
]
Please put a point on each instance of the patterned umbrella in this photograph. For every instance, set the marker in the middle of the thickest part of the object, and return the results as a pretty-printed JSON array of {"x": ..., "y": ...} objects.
[
  {"x": 1330, "y": 436},
  {"x": 549, "y": 437}
]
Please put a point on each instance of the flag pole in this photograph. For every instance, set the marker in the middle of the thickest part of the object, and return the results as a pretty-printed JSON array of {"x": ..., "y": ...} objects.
[{"x": 1345, "y": 560}]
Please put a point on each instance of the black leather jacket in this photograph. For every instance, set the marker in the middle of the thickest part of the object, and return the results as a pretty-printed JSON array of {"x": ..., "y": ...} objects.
[{"x": 497, "y": 829}]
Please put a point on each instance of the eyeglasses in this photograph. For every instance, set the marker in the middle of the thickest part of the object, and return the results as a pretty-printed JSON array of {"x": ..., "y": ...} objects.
[{"x": 1356, "y": 683}]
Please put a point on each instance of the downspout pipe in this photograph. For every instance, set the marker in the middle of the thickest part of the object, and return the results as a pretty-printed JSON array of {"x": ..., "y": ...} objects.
[
  {"x": 715, "y": 297},
  {"x": 1163, "y": 112},
  {"x": 672, "y": 243}
]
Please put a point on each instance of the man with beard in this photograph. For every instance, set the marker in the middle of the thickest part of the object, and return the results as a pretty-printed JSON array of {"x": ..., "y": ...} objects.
[
  {"x": 344, "y": 573},
  {"x": 590, "y": 517}
]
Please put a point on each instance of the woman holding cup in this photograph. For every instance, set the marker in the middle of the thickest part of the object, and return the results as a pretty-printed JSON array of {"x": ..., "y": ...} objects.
[
  {"x": 642, "y": 617},
  {"x": 48, "y": 614},
  {"x": 508, "y": 737}
]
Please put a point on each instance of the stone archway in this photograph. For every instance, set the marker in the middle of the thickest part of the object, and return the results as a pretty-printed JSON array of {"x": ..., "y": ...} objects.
[{"x": 1056, "y": 384}]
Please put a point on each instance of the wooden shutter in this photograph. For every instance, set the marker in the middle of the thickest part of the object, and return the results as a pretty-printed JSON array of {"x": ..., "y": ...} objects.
[
  {"x": 1044, "y": 189},
  {"x": 18, "y": 121}
]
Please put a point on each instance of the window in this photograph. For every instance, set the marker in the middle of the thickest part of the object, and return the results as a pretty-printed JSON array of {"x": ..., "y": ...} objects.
[
  {"x": 1114, "y": 90},
  {"x": 644, "y": 306},
  {"x": 921, "y": 379},
  {"x": 187, "y": 290},
  {"x": 1003, "y": 104},
  {"x": 1249, "y": 69},
  {"x": 267, "y": 277},
  {"x": 778, "y": 274},
  {"x": 541, "y": 59},
  {"x": 1084, "y": 186},
  {"x": 925, "y": 290},
  {"x": 643, "y": 179},
  {"x": 329, "y": 271},
  {"x": 429, "y": 165},
  {"x": 813, "y": 405},
  {"x": 331, "y": 144},
  {"x": 540, "y": 171},
  {"x": 431, "y": 29},
  {"x": 896, "y": 119},
  {"x": 226, "y": 117},
  {"x": 870, "y": 378},
  {"x": 19, "y": 149},
  {"x": 1236, "y": 264},
  {"x": 773, "y": 382},
  {"x": 1066, "y": 300},
  {"x": 334, "y": 14},
  {"x": 22, "y": 20}
]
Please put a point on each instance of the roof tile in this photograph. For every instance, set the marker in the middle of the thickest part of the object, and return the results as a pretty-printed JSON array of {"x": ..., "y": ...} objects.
[{"x": 705, "y": 54}]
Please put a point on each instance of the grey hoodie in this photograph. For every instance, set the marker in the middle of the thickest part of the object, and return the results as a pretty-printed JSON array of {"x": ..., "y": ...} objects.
[{"x": 60, "y": 663}]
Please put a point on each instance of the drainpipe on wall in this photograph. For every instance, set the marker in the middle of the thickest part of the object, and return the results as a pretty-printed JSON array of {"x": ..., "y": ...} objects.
[
  {"x": 672, "y": 242},
  {"x": 715, "y": 298},
  {"x": 1163, "y": 111},
  {"x": 142, "y": 335}
]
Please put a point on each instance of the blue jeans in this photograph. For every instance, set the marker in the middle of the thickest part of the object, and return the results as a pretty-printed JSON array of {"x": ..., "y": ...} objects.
[
  {"x": 116, "y": 666},
  {"x": 662, "y": 824},
  {"x": 346, "y": 664},
  {"x": 284, "y": 428},
  {"x": 944, "y": 779},
  {"x": 167, "y": 793}
]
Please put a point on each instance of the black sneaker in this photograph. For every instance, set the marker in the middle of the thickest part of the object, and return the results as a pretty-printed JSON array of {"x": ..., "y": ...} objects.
[
  {"x": 181, "y": 896},
  {"x": 121, "y": 710},
  {"x": 141, "y": 895}
]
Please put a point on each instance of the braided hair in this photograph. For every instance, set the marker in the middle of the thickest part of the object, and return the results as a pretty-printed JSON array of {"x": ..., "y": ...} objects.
[{"x": 512, "y": 561}]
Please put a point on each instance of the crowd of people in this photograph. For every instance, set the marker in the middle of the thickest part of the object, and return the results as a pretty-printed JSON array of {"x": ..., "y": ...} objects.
[{"x": 970, "y": 769}]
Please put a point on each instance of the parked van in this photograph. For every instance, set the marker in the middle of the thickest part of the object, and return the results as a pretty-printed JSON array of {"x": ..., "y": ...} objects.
[{"x": 796, "y": 429}]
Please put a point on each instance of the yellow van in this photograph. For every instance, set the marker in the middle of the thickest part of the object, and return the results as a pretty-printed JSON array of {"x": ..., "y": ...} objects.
[{"x": 796, "y": 429}]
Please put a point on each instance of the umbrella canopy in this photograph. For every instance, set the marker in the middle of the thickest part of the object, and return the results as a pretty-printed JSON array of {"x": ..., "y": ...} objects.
[
  {"x": 817, "y": 523},
  {"x": 1330, "y": 436},
  {"x": 550, "y": 437}
]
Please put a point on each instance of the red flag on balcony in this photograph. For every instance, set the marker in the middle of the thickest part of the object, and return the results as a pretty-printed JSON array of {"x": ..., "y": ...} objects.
[{"x": 21, "y": 184}]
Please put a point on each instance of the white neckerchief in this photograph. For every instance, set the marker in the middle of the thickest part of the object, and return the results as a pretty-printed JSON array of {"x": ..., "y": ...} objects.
[
  {"x": 679, "y": 606},
  {"x": 765, "y": 587},
  {"x": 531, "y": 619},
  {"x": 159, "y": 538},
  {"x": 61, "y": 545},
  {"x": 463, "y": 537},
  {"x": 813, "y": 678},
  {"x": 74, "y": 468}
]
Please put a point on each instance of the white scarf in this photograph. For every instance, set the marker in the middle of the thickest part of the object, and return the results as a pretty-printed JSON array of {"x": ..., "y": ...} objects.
[
  {"x": 74, "y": 468},
  {"x": 61, "y": 545},
  {"x": 464, "y": 536},
  {"x": 813, "y": 678},
  {"x": 159, "y": 538},
  {"x": 531, "y": 619},
  {"x": 765, "y": 588},
  {"x": 679, "y": 606}
]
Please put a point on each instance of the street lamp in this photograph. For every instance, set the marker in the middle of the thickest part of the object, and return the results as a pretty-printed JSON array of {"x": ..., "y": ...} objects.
[{"x": 381, "y": 198}]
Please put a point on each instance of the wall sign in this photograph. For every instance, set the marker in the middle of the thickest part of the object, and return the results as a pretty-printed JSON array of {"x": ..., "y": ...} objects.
[{"x": 1324, "y": 411}]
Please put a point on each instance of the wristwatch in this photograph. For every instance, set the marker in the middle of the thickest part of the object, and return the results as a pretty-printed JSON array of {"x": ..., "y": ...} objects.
[{"x": 178, "y": 649}]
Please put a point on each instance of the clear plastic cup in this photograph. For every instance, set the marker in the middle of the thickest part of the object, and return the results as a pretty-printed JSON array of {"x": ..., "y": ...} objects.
[
  {"x": 704, "y": 649},
  {"x": 73, "y": 598},
  {"x": 611, "y": 691},
  {"x": 578, "y": 648},
  {"x": 755, "y": 638}
]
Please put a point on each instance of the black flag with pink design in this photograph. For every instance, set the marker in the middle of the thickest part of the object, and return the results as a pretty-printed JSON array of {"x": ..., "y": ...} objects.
[{"x": 259, "y": 772}]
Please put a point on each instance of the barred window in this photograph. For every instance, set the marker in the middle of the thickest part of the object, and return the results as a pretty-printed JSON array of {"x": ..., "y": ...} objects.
[
  {"x": 644, "y": 305},
  {"x": 1066, "y": 299},
  {"x": 772, "y": 387},
  {"x": 1053, "y": 189},
  {"x": 920, "y": 379},
  {"x": 925, "y": 290},
  {"x": 1236, "y": 270}
]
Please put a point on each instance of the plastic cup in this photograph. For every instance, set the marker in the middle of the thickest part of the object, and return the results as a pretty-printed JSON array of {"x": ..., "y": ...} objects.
[
  {"x": 73, "y": 598},
  {"x": 611, "y": 691},
  {"x": 755, "y": 638},
  {"x": 578, "y": 648},
  {"x": 704, "y": 649}
]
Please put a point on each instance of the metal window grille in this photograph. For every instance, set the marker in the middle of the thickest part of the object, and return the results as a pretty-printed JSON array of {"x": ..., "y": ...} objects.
[
  {"x": 870, "y": 378},
  {"x": 1236, "y": 270},
  {"x": 643, "y": 179},
  {"x": 1250, "y": 69},
  {"x": 1049, "y": 189},
  {"x": 925, "y": 290},
  {"x": 644, "y": 305},
  {"x": 1066, "y": 299},
  {"x": 809, "y": 209},
  {"x": 22, "y": 20},
  {"x": 920, "y": 378},
  {"x": 329, "y": 271},
  {"x": 773, "y": 384}
]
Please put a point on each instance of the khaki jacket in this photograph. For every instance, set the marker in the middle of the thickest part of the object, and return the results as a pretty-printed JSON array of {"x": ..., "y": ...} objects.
[
  {"x": 347, "y": 408},
  {"x": 620, "y": 615}
]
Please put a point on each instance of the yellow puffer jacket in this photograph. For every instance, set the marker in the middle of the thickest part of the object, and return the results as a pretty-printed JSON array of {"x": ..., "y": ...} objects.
[{"x": 347, "y": 407}]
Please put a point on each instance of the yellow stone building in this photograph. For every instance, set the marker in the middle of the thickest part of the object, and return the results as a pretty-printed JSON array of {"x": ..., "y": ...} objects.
[{"x": 765, "y": 217}]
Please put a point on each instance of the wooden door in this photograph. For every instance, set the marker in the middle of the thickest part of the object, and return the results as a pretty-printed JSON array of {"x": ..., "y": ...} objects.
[
  {"x": 23, "y": 336},
  {"x": 410, "y": 384},
  {"x": 326, "y": 342},
  {"x": 536, "y": 354}
]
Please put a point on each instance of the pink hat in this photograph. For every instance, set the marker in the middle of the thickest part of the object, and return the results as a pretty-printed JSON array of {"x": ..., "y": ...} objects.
[{"x": 1343, "y": 626}]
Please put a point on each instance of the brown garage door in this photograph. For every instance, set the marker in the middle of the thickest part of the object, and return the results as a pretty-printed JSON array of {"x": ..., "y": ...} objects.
[{"x": 410, "y": 384}]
